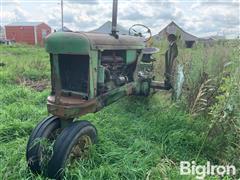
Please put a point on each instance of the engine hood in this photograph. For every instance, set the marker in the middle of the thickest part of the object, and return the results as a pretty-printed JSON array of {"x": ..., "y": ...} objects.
[{"x": 82, "y": 43}]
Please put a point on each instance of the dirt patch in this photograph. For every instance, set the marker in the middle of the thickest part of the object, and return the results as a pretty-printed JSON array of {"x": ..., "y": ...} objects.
[{"x": 36, "y": 85}]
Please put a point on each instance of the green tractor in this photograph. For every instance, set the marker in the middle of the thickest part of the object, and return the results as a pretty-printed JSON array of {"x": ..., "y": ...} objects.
[{"x": 88, "y": 72}]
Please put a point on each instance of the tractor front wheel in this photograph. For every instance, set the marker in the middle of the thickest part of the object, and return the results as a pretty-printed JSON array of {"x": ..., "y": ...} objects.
[
  {"x": 43, "y": 134},
  {"x": 73, "y": 142}
]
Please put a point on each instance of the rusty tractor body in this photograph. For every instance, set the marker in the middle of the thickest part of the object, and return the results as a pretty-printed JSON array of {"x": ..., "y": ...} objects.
[{"x": 88, "y": 72}]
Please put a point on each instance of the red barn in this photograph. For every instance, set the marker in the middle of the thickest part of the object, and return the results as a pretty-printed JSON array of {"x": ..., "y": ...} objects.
[{"x": 27, "y": 32}]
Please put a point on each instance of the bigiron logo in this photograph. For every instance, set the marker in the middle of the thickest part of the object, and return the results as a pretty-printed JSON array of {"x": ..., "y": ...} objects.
[{"x": 201, "y": 171}]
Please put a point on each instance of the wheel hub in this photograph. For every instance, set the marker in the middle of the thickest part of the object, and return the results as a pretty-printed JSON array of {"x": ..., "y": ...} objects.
[{"x": 81, "y": 148}]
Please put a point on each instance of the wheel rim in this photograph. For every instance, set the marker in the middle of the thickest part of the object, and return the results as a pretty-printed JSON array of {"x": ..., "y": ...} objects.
[{"x": 81, "y": 148}]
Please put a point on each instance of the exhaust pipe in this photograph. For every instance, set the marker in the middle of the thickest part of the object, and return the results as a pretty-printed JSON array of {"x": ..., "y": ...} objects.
[{"x": 114, "y": 18}]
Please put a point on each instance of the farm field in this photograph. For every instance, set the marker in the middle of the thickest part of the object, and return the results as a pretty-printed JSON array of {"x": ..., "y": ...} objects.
[{"x": 139, "y": 137}]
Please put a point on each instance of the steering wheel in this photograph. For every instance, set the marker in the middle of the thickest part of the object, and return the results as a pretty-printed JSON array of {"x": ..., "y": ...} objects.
[{"x": 140, "y": 30}]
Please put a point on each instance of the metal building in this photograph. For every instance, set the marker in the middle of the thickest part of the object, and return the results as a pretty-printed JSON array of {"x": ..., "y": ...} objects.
[
  {"x": 173, "y": 28},
  {"x": 106, "y": 28},
  {"x": 27, "y": 32}
]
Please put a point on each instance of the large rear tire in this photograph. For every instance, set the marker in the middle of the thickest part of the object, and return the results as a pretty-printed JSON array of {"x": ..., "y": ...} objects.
[
  {"x": 73, "y": 142},
  {"x": 45, "y": 130}
]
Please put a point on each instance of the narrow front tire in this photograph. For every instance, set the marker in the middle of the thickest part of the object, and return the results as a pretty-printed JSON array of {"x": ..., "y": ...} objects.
[
  {"x": 73, "y": 142},
  {"x": 45, "y": 130}
]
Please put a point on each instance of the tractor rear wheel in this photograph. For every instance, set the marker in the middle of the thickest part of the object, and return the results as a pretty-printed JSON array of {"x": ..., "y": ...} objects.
[
  {"x": 44, "y": 133},
  {"x": 73, "y": 142}
]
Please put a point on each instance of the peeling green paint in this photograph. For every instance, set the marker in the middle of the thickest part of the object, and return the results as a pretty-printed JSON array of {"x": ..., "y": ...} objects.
[
  {"x": 131, "y": 56},
  {"x": 67, "y": 43},
  {"x": 93, "y": 71}
]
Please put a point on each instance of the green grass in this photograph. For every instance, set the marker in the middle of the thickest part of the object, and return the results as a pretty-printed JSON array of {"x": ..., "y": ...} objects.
[{"x": 139, "y": 137}]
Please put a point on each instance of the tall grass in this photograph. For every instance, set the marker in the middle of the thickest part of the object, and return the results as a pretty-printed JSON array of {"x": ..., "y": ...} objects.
[
  {"x": 211, "y": 90},
  {"x": 139, "y": 137}
]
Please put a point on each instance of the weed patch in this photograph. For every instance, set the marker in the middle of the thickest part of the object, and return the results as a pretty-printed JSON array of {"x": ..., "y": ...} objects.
[{"x": 139, "y": 137}]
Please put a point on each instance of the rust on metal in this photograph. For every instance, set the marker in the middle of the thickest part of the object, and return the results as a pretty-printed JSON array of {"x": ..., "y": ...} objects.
[
  {"x": 70, "y": 107},
  {"x": 105, "y": 41},
  {"x": 157, "y": 85}
]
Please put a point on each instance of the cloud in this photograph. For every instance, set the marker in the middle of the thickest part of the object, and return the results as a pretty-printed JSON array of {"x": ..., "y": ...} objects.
[
  {"x": 83, "y": 1},
  {"x": 17, "y": 13},
  {"x": 20, "y": 14},
  {"x": 10, "y": 3},
  {"x": 212, "y": 18},
  {"x": 197, "y": 17}
]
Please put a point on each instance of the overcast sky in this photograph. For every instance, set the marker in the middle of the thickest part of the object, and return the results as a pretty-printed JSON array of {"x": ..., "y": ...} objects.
[{"x": 201, "y": 18}]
